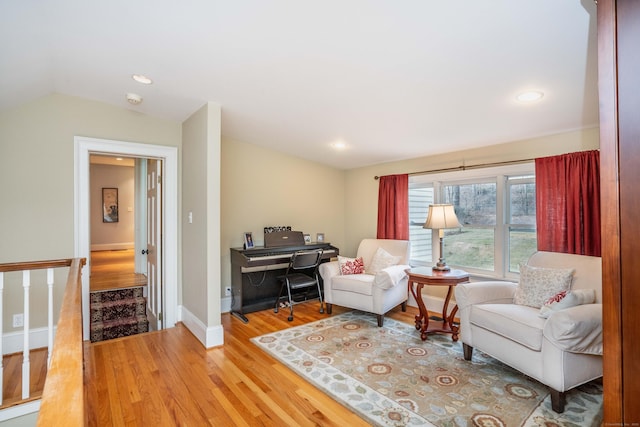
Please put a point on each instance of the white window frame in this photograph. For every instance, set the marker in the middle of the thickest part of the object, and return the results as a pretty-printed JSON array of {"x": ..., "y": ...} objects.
[{"x": 497, "y": 174}]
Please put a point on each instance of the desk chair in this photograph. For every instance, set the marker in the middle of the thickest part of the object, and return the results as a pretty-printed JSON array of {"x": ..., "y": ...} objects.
[{"x": 294, "y": 279}]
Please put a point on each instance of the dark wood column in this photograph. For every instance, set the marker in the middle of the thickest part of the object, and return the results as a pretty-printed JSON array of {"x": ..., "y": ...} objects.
[{"x": 619, "y": 88}]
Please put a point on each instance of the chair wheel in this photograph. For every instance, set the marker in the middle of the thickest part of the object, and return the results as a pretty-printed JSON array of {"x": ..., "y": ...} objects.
[
  {"x": 290, "y": 318},
  {"x": 322, "y": 310},
  {"x": 275, "y": 310}
]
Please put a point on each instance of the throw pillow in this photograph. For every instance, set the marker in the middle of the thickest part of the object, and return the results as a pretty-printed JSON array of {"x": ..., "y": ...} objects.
[
  {"x": 351, "y": 265},
  {"x": 381, "y": 260},
  {"x": 538, "y": 284},
  {"x": 566, "y": 299}
]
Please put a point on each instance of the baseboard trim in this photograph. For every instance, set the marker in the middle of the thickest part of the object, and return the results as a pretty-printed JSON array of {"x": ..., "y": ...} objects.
[
  {"x": 212, "y": 336},
  {"x": 20, "y": 410},
  {"x": 112, "y": 246},
  {"x": 225, "y": 305},
  {"x": 38, "y": 338},
  {"x": 433, "y": 304}
]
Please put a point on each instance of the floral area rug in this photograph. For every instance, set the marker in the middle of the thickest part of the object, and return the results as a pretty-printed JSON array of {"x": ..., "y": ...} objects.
[{"x": 392, "y": 378}]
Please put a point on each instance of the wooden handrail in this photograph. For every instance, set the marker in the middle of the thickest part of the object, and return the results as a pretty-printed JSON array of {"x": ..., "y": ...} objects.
[
  {"x": 38, "y": 265},
  {"x": 63, "y": 394}
]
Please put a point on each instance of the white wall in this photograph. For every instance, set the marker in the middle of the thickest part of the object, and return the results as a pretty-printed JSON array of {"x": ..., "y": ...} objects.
[{"x": 112, "y": 235}]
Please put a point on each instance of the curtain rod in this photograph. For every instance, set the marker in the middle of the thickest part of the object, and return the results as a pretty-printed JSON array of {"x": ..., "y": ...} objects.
[{"x": 463, "y": 167}]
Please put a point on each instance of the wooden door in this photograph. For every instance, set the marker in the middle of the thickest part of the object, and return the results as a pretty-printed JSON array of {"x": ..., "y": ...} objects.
[{"x": 154, "y": 244}]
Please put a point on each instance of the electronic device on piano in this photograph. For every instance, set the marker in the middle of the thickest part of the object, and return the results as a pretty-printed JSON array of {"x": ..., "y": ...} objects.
[{"x": 255, "y": 271}]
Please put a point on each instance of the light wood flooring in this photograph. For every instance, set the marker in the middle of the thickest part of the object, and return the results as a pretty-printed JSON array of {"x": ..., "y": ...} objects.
[
  {"x": 114, "y": 270},
  {"x": 12, "y": 376},
  {"x": 168, "y": 378}
]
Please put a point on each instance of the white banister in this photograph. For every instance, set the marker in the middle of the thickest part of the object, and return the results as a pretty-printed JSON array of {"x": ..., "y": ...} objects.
[
  {"x": 26, "y": 364},
  {"x": 50, "y": 316},
  {"x": 26, "y": 268}
]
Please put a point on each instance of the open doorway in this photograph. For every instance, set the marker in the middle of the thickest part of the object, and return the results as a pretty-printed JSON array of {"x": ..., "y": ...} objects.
[
  {"x": 165, "y": 222},
  {"x": 118, "y": 284}
]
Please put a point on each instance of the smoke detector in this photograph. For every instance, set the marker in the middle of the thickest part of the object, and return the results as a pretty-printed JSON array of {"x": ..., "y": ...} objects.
[{"x": 134, "y": 98}]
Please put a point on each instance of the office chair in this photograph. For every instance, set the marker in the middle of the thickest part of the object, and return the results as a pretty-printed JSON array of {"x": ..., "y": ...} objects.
[{"x": 295, "y": 279}]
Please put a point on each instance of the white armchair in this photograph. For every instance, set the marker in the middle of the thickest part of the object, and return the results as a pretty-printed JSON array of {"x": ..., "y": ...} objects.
[
  {"x": 559, "y": 345},
  {"x": 375, "y": 293}
]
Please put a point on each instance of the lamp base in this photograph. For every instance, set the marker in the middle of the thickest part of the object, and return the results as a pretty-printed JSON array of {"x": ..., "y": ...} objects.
[{"x": 441, "y": 267}]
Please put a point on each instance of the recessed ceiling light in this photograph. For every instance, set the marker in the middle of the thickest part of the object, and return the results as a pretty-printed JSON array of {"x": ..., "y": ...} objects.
[
  {"x": 339, "y": 145},
  {"x": 530, "y": 96},
  {"x": 142, "y": 79},
  {"x": 119, "y": 158}
]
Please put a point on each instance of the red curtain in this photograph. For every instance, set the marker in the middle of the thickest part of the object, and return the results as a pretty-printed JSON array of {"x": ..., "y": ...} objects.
[
  {"x": 393, "y": 207},
  {"x": 568, "y": 203}
]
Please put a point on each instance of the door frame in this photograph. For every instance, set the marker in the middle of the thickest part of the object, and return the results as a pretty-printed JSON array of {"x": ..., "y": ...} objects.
[{"x": 83, "y": 148}]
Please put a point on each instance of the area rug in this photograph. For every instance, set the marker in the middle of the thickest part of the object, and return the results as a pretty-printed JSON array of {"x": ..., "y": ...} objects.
[{"x": 392, "y": 378}]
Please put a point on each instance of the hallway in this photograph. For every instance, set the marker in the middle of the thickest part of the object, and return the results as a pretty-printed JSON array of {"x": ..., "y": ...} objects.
[{"x": 114, "y": 270}]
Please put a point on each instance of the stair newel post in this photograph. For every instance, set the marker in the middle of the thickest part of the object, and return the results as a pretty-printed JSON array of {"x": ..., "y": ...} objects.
[
  {"x": 50, "y": 316},
  {"x": 26, "y": 284},
  {"x": 1, "y": 333}
]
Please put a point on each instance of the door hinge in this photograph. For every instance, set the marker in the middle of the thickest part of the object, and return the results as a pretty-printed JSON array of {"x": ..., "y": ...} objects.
[
  {"x": 160, "y": 316},
  {"x": 159, "y": 179}
]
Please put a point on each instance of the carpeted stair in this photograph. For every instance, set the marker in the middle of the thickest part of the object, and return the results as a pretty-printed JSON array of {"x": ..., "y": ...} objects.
[{"x": 118, "y": 313}]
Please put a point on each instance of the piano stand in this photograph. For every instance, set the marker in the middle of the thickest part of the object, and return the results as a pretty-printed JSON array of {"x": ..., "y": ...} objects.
[{"x": 240, "y": 316}]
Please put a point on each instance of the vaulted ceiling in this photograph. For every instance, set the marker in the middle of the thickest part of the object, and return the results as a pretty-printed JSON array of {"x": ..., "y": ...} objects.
[{"x": 389, "y": 79}]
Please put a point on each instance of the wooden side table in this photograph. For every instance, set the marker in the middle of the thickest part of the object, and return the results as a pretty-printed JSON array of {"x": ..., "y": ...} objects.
[{"x": 420, "y": 276}]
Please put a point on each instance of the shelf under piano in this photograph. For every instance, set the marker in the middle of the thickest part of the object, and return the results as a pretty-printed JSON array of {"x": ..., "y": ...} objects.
[{"x": 254, "y": 273}]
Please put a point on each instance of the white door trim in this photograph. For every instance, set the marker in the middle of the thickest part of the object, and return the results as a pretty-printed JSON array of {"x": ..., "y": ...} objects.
[{"x": 83, "y": 147}]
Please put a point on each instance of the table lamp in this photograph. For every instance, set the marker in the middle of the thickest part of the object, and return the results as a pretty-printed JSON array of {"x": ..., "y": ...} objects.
[{"x": 440, "y": 218}]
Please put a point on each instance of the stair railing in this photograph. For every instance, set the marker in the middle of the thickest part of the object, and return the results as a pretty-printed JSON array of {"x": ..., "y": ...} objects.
[{"x": 63, "y": 396}]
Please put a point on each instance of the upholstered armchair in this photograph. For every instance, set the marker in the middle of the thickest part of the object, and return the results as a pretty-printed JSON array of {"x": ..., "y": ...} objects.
[
  {"x": 548, "y": 326},
  {"x": 375, "y": 281}
]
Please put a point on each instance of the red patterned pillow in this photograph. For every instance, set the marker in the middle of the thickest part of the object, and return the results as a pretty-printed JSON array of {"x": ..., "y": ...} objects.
[
  {"x": 556, "y": 298},
  {"x": 351, "y": 265}
]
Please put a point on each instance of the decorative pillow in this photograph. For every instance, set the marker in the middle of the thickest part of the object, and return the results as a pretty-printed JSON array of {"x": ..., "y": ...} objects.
[
  {"x": 381, "y": 260},
  {"x": 538, "y": 284},
  {"x": 351, "y": 265},
  {"x": 566, "y": 299}
]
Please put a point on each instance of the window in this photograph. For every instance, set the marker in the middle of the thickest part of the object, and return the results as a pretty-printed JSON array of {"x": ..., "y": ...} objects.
[{"x": 496, "y": 207}]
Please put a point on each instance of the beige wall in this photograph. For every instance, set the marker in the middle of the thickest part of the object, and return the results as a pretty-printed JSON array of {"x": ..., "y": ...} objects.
[
  {"x": 201, "y": 197},
  {"x": 37, "y": 178},
  {"x": 112, "y": 235},
  {"x": 262, "y": 187}
]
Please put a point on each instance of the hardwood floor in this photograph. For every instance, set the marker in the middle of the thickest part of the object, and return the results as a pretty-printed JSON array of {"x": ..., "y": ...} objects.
[
  {"x": 114, "y": 270},
  {"x": 168, "y": 378},
  {"x": 12, "y": 376}
]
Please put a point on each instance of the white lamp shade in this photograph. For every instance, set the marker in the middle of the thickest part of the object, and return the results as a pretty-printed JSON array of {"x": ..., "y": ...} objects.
[{"x": 441, "y": 217}]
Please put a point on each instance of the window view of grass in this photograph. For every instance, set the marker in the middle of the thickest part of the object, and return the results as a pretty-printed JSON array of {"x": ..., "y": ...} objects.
[
  {"x": 474, "y": 247},
  {"x": 470, "y": 247}
]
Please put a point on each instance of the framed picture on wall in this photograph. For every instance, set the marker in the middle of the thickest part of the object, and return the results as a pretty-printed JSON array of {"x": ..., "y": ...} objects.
[
  {"x": 109, "y": 205},
  {"x": 320, "y": 237}
]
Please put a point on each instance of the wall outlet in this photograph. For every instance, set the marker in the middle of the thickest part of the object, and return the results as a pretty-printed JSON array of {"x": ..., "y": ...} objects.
[
  {"x": 18, "y": 320},
  {"x": 227, "y": 291}
]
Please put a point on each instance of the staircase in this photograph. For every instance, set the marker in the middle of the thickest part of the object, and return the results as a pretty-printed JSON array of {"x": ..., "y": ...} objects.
[{"x": 117, "y": 313}]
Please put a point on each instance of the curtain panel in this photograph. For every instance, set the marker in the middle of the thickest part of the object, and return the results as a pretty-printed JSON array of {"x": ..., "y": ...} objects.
[
  {"x": 393, "y": 207},
  {"x": 568, "y": 203}
]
